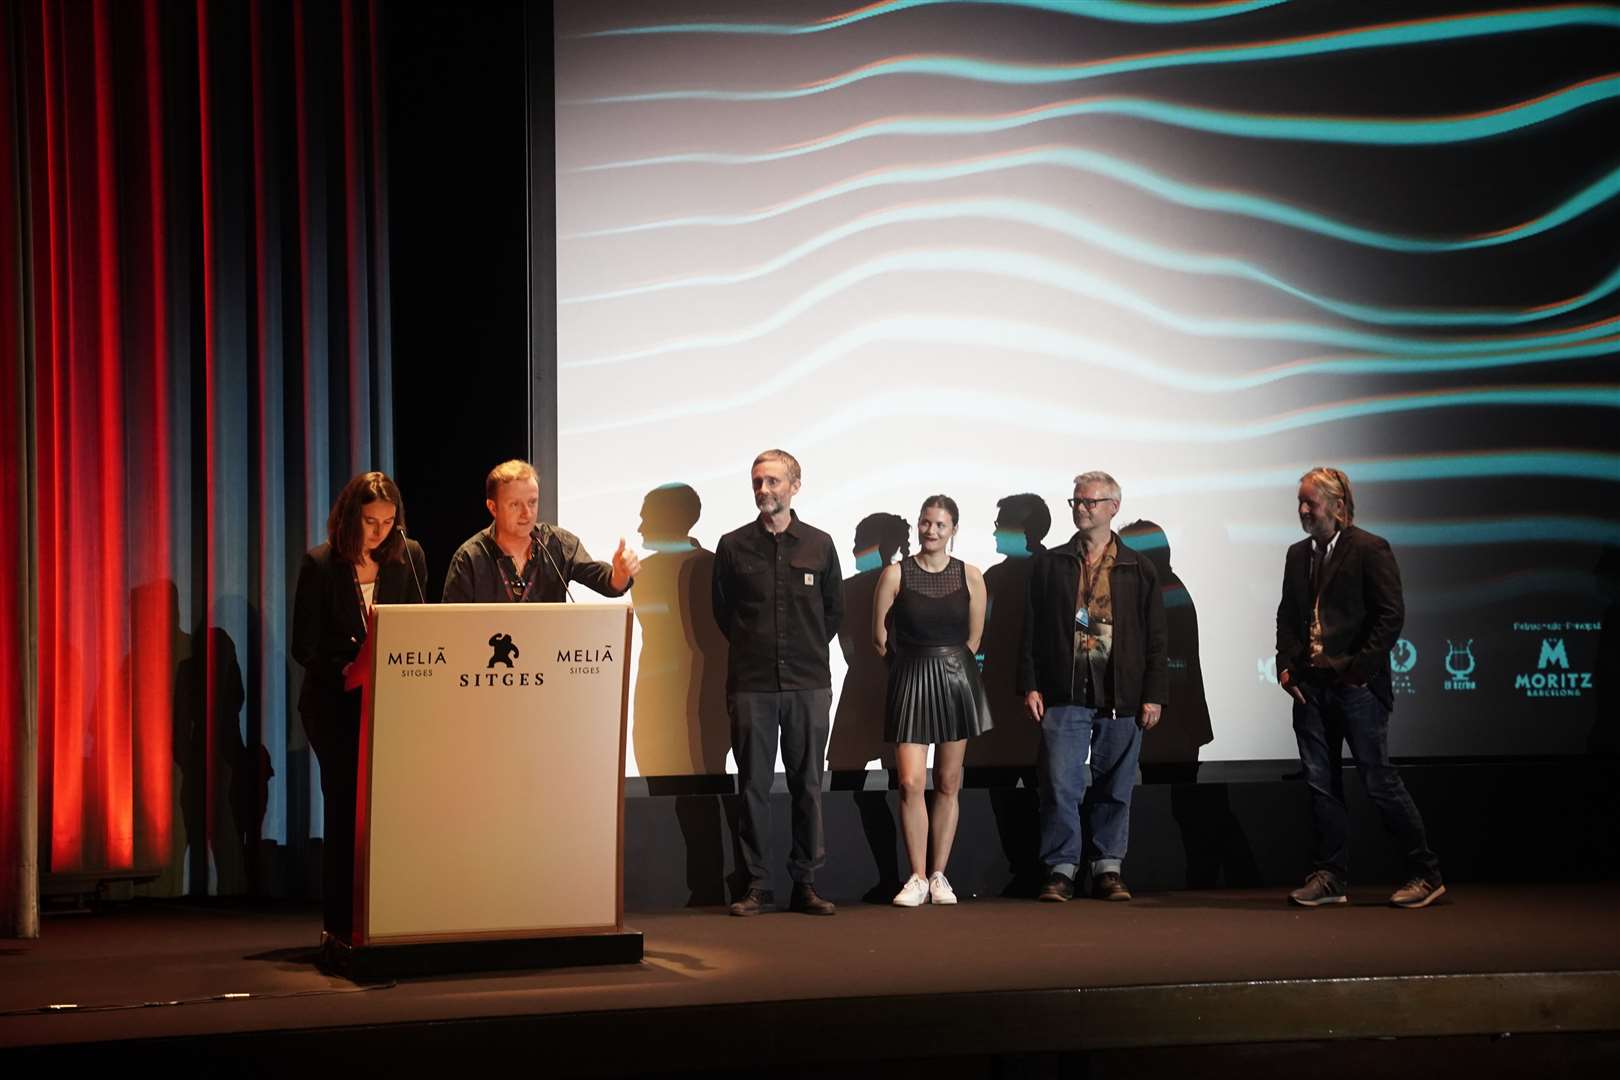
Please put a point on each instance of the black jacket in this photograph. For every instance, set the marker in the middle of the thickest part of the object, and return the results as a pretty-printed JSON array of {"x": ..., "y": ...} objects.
[
  {"x": 328, "y": 625},
  {"x": 1141, "y": 670},
  {"x": 1361, "y": 608},
  {"x": 476, "y": 577},
  {"x": 779, "y": 601}
]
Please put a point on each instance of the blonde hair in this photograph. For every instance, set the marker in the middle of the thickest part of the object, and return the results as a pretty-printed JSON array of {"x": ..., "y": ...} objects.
[
  {"x": 505, "y": 473},
  {"x": 1334, "y": 484}
]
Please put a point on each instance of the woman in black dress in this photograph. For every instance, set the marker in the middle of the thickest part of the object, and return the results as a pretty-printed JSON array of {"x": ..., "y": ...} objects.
[
  {"x": 366, "y": 561},
  {"x": 927, "y": 617}
]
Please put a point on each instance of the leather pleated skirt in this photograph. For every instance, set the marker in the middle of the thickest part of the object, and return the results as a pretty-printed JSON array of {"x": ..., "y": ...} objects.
[{"x": 935, "y": 696}]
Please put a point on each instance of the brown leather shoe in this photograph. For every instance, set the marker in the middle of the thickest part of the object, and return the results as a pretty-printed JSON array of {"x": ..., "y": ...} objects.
[
  {"x": 806, "y": 902},
  {"x": 753, "y": 902},
  {"x": 1058, "y": 888},
  {"x": 1419, "y": 892},
  {"x": 1110, "y": 886}
]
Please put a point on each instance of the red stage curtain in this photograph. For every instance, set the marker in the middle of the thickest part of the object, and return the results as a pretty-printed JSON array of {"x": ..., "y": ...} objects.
[{"x": 194, "y": 224}]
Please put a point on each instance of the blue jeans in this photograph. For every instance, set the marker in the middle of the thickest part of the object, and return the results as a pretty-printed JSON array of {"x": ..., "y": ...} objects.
[
  {"x": 1330, "y": 717},
  {"x": 1098, "y": 795}
]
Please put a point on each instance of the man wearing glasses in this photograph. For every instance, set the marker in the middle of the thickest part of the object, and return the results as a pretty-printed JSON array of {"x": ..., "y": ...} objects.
[{"x": 1094, "y": 675}]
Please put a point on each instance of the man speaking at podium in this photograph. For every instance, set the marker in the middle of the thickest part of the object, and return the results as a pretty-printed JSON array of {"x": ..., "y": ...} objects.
[{"x": 520, "y": 559}]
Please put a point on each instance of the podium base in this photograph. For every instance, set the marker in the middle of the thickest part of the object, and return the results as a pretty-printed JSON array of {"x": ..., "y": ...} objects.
[{"x": 371, "y": 963}]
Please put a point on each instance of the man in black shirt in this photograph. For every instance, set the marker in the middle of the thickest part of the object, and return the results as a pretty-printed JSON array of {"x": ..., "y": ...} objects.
[
  {"x": 519, "y": 559},
  {"x": 778, "y": 597}
]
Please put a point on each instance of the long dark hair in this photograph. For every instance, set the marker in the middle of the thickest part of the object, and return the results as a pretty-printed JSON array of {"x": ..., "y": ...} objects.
[{"x": 343, "y": 523}]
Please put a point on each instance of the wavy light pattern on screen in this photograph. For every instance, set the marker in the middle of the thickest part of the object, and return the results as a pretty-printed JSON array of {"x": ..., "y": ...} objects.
[
  {"x": 1416, "y": 131},
  {"x": 1049, "y": 273},
  {"x": 1219, "y": 200},
  {"x": 1542, "y": 464},
  {"x": 1419, "y": 32},
  {"x": 1525, "y": 583},
  {"x": 924, "y": 261},
  {"x": 1053, "y": 219},
  {"x": 901, "y": 472},
  {"x": 1122, "y": 11},
  {"x": 1007, "y": 338},
  {"x": 1473, "y": 531},
  {"x": 1046, "y": 416}
]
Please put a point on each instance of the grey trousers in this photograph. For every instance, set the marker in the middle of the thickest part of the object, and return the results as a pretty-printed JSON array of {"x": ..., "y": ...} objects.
[{"x": 800, "y": 718}]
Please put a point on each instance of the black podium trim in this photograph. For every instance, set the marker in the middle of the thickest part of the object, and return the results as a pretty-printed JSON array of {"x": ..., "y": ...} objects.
[{"x": 368, "y": 963}]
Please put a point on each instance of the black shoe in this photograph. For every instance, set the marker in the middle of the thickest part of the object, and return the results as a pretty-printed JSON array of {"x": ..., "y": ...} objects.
[
  {"x": 1108, "y": 885},
  {"x": 753, "y": 902},
  {"x": 806, "y": 902},
  {"x": 1057, "y": 889}
]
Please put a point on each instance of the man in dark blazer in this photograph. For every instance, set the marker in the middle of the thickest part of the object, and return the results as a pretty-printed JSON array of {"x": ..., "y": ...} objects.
[{"x": 1341, "y": 612}]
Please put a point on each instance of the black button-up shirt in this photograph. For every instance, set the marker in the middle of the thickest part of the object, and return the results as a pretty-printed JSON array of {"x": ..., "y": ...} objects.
[
  {"x": 481, "y": 573},
  {"x": 778, "y": 599}
]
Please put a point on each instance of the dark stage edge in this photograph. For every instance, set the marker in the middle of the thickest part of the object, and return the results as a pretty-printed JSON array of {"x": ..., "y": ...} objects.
[{"x": 991, "y": 987}]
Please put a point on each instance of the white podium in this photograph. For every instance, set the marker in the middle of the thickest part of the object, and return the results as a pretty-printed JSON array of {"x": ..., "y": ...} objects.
[{"x": 489, "y": 825}]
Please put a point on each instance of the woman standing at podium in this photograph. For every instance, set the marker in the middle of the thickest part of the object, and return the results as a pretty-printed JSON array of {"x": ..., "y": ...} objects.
[{"x": 365, "y": 561}]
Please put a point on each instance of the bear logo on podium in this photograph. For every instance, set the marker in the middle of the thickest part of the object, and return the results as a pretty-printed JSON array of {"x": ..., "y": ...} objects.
[{"x": 502, "y": 650}]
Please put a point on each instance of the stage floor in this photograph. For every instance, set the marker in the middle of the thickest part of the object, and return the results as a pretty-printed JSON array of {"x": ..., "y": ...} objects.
[{"x": 988, "y": 976}]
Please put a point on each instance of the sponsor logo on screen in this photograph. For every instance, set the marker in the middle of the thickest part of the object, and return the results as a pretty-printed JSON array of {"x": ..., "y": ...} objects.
[
  {"x": 1460, "y": 664},
  {"x": 1402, "y": 659},
  {"x": 1553, "y": 677}
]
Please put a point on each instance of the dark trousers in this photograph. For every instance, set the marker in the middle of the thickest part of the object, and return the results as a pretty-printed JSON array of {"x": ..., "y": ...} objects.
[
  {"x": 1330, "y": 717},
  {"x": 800, "y": 720},
  {"x": 333, "y": 731}
]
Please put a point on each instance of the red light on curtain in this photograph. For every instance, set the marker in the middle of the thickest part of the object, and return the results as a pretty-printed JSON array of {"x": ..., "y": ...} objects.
[
  {"x": 105, "y": 598},
  {"x": 195, "y": 397}
]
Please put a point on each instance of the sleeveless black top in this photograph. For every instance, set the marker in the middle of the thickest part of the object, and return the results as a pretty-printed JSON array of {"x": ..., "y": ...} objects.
[{"x": 930, "y": 609}]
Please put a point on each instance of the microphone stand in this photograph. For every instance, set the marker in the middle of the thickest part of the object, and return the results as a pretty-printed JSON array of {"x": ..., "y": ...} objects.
[{"x": 568, "y": 596}]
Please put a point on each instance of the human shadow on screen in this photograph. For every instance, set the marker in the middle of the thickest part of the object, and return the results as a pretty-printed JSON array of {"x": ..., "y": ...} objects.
[
  {"x": 212, "y": 668},
  {"x": 857, "y": 731},
  {"x": 152, "y": 673},
  {"x": 1022, "y": 524},
  {"x": 681, "y": 729},
  {"x": 1212, "y": 838}
]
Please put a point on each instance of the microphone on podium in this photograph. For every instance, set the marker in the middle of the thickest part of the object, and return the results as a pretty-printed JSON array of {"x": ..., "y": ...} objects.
[
  {"x": 421, "y": 593},
  {"x": 567, "y": 595}
]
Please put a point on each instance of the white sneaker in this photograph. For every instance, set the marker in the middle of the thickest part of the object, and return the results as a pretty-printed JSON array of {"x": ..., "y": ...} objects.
[
  {"x": 913, "y": 894},
  {"x": 939, "y": 890}
]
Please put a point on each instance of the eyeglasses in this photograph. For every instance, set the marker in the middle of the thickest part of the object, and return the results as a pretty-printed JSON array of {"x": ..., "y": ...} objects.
[{"x": 1089, "y": 504}]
